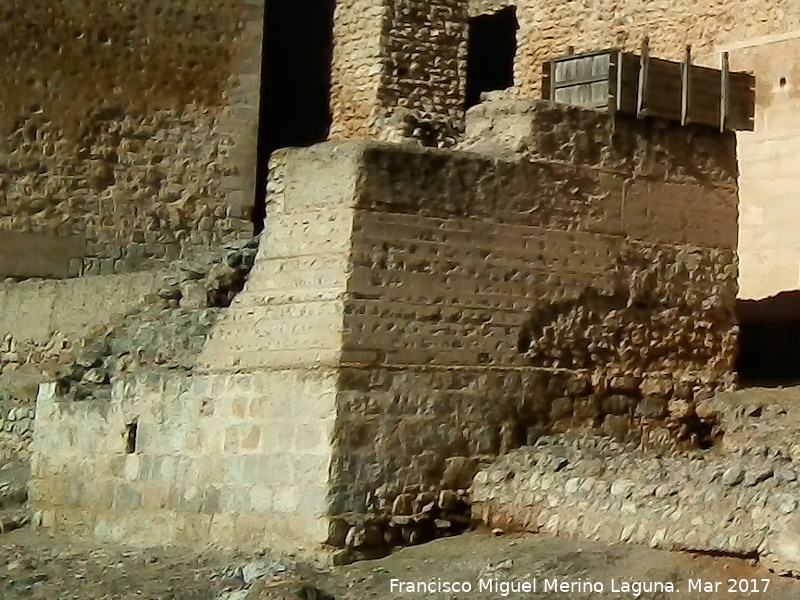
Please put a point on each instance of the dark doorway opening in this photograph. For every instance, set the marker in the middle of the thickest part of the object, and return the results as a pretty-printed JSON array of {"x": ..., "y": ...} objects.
[
  {"x": 491, "y": 51},
  {"x": 295, "y": 83},
  {"x": 769, "y": 341}
]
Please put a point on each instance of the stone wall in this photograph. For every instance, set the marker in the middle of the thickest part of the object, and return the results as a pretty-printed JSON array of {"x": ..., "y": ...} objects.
[
  {"x": 237, "y": 452},
  {"x": 759, "y": 36},
  {"x": 36, "y": 312},
  {"x": 41, "y": 322},
  {"x": 426, "y": 69},
  {"x": 598, "y": 489},
  {"x": 399, "y": 70},
  {"x": 411, "y": 312},
  {"x": 150, "y": 146},
  {"x": 575, "y": 291},
  {"x": 132, "y": 133},
  {"x": 210, "y": 465},
  {"x": 488, "y": 7},
  {"x": 16, "y": 429},
  {"x": 768, "y": 248},
  {"x": 548, "y": 28},
  {"x": 357, "y": 68},
  {"x": 84, "y": 331}
]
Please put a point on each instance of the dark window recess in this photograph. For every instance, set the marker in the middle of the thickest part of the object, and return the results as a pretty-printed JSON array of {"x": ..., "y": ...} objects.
[
  {"x": 491, "y": 52},
  {"x": 296, "y": 62},
  {"x": 130, "y": 437},
  {"x": 769, "y": 341}
]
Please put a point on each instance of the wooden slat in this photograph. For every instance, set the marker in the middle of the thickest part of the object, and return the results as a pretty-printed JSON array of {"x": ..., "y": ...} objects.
[
  {"x": 644, "y": 70},
  {"x": 616, "y": 69},
  {"x": 686, "y": 81},
  {"x": 724, "y": 103},
  {"x": 630, "y": 83},
  {"x": 705, "y": 80},
  {"x": 663, "y": 91},
  {"x": 703, "y": 115},
  {"x": 651, "y": 87}
]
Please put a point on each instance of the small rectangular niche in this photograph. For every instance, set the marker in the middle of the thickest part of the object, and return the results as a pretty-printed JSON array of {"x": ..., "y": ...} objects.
[{"x": 130, "y": 437}]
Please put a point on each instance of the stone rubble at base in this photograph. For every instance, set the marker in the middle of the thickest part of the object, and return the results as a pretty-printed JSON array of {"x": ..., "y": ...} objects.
[{"x": 743, "y": 504}]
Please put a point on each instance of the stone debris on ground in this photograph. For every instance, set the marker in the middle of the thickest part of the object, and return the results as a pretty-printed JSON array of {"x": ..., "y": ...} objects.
[
  {"x": 14, "y": 513},
  {"x": 741, "y": 504},
  {"x": 168, "y": 329}
]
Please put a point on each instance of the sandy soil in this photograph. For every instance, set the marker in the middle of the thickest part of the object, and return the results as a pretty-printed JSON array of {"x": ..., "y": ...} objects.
[{"x": 36, "y": 566}]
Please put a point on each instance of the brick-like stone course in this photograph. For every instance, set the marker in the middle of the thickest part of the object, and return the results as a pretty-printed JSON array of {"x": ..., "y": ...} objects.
[
  {"x": 217, "y": 460},
  {"x": 357, "y": 68}
]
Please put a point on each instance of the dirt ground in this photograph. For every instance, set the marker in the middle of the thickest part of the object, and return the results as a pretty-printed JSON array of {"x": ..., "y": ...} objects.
[{"x": 36, "y": 566}]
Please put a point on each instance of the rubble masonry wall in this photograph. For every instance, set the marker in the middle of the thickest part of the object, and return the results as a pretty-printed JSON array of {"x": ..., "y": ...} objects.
[
  {"x": 40, "y": 324},
  {"x": 761, "y": 38},
  {"x": 495, "y": 299},
  {"x": 399, "y": 64},
  {"x": 131, "y": 134}
]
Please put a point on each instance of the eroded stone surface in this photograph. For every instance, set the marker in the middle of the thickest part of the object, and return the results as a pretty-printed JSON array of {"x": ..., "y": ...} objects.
[
  {"x": 423, "y": 310},
  {"x": 122, "y": 133}
]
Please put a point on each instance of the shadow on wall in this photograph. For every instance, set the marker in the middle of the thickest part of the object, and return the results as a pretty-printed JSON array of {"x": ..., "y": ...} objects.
[
  {"x": 769, "y": 340},
  {"x": 295, "y": 83}
]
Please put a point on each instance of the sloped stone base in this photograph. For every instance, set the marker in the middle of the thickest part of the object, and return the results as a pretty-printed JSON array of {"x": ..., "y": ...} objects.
[{"x": 598, "y": 489}]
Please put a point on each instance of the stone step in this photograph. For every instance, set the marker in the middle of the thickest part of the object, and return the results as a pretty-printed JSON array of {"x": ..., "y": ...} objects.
[{"x": 598, "y": 489}]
